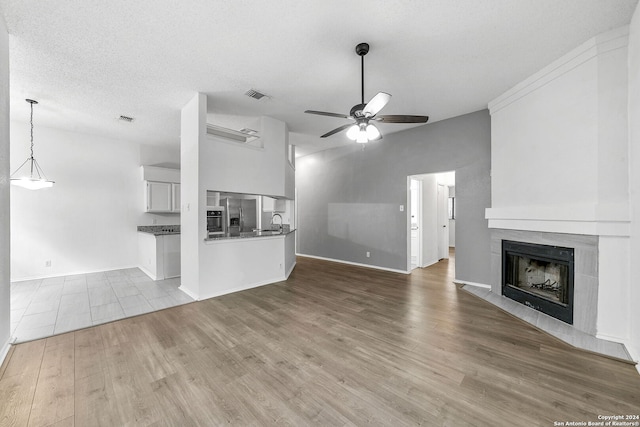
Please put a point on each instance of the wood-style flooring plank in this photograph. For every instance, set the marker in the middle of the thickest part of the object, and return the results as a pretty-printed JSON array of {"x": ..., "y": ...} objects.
[
  {"x": 54, "y": 395},
  {"x": 16, "y": 398},
  {"x": 333, "y": 345}
]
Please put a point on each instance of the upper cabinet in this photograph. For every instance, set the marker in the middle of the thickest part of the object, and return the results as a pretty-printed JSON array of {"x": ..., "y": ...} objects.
[
  {"x": 175, "y": 197},
  {"x": 162, "y": 189},
  {"x": 158, "y": 197}
]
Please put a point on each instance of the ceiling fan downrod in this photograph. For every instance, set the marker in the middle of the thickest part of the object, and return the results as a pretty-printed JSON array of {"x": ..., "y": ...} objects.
[{"x": 362, "y": 49}]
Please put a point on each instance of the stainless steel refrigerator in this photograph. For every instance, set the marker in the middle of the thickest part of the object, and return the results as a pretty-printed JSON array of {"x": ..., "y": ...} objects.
[{"x": 240, "y": 214}]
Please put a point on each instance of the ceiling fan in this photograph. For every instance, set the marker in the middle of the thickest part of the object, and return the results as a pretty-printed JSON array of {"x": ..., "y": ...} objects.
[{"x": 362, "y": 114}]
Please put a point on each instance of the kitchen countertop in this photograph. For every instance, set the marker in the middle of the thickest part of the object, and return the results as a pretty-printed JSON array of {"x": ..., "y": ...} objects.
[
  {"x": 159, "y": 230},
  {"x": 250, "y": 234}
]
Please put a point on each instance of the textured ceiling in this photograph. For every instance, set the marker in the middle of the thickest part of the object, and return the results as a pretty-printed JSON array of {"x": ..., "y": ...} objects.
[{"x": 87, "y": 61}]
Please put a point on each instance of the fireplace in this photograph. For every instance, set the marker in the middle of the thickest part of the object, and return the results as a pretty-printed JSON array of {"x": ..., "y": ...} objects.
[{"x": 539, "y": 276}]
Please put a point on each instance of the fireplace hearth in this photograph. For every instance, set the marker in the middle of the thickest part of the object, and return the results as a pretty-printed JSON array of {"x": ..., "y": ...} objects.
[{"x": 539, "y": 276}]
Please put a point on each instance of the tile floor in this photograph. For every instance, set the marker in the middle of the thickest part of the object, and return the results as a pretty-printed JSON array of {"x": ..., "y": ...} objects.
[{"x": 45, "y": 307}]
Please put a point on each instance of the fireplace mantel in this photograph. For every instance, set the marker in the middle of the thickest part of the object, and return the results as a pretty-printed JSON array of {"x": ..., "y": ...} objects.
[{"x": 586, "y": 219}]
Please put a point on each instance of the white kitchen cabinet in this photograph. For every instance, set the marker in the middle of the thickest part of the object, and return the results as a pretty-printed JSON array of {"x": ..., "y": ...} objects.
[
  {"x": 159, "y": 197},
  {"x": 159, "y": 256},
  {"x": 162, "y": 189},
  {"x": 175, "y": 197},
  {"x": 163, "y": 197},
  {"x": 171, "y": 255}
]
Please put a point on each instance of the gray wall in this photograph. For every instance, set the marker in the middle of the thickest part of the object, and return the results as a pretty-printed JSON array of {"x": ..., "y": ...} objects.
[
  {"x": 348, "y": 199},
  {"x": 4, "y": 191}
]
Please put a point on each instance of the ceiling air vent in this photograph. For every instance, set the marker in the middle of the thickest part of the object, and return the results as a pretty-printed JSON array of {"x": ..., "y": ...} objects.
[
  {"x": 254, "y": 94},
  {"x": 126, "y": 119}
]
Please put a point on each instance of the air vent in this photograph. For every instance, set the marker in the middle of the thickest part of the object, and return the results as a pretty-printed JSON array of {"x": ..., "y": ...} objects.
[
  {"x": 254, "y": 94},
  {"x": 126, "y": 119},
  {"x": 244, "y": 135}
]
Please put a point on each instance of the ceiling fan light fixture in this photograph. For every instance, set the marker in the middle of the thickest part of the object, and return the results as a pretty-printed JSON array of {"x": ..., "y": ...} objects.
[
  {"x": 362, "y": 131},
  {"x": 372, "y": 132},
  {"x": 353, "y": 132},
  {"x": 362, "y": 137}
]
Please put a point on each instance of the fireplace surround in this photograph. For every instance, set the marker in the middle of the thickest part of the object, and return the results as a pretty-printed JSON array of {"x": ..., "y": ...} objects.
[
  {"x": 585, "y": 281},
  {"x": 539, "y": 276}
]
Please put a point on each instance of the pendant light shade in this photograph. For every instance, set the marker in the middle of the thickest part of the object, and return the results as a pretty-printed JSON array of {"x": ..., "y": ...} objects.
[
  {"x": 352, "y": 133},
  {"x": 30, "y": 175}
]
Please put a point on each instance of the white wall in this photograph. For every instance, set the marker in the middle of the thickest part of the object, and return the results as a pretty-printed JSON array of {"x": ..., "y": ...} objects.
[
  {"x": 238, "y": 168},
  {"x": 194, "y": 198},
  {"x": 5, "y": 249},
  {"x": 87, "y": 221},
  {"x": 168, "y": 157},
  {"x": 634, "y": 179},
  {"x": 559, "y": 138}
]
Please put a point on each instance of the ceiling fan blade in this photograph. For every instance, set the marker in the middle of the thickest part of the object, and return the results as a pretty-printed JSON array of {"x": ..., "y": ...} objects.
[
  {"x": 324, "y": 113},
  {"x": 376, "y": 104},
  {"x": 401, "y": 119},
  {"x": 336, "y": 130}
]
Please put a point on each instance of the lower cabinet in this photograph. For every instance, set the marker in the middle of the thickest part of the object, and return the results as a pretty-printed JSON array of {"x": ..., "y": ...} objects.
[{"x": 159, "y": 256}]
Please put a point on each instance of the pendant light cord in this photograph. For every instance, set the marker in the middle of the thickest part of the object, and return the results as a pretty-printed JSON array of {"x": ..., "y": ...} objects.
[{"x": 31, "y": 131}]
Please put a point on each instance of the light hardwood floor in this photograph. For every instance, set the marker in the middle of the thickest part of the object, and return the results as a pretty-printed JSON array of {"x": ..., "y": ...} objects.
[{"x": 334, "y": 345}]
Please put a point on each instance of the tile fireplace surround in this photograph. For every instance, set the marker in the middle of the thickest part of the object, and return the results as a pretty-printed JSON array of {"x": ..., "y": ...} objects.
[{"x": 582, "y": 333}]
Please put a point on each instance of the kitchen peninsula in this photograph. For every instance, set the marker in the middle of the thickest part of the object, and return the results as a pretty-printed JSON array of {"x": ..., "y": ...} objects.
[
  {"x": 221, "y": 159},
  {"x": 252, "y": 258}
]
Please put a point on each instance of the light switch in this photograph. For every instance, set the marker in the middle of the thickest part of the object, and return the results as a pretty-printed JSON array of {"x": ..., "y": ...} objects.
[{"x": 401, "y": 208}]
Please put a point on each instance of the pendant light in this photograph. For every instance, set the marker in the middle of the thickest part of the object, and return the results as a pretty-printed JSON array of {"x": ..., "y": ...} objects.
[{"x": 30, "y": 175}]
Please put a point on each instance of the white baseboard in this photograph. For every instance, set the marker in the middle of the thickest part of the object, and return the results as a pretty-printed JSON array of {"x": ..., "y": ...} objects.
[
  {"x": 430, "y": 263},
  {"x": 238, "y": 288},
  {"x": 188, "y": 292},
  {"x": 70, "y": 273},
  {"x": 479, "y": 285},
  {"x": 355, "y": 263},
  {"x": 148, "y": 273},
  {"x": 288, "y": 273},
  {"x": 5, "y": 350},
  {"x": 243, "y": 288}
]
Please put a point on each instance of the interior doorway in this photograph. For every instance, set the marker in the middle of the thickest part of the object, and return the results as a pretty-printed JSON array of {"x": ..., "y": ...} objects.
[
  {"x": 430, "y": 224},
  {"x": 442, "y": 221},
  {"x": 415, "y": 214}
]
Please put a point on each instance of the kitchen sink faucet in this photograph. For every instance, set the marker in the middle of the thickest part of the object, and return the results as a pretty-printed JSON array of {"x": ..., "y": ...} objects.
[{"x": 278, "y": 215}]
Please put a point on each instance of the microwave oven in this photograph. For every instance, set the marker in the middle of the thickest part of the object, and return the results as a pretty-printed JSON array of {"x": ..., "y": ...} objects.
[{"x": 215, "y": 221}]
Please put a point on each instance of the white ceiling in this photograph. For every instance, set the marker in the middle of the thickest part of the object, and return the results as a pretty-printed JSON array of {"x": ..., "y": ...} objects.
[{"x": 89, "y": 61}]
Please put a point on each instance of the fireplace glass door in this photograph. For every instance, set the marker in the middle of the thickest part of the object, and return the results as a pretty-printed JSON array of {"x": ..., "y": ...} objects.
[{"x": 546, "y": 279}]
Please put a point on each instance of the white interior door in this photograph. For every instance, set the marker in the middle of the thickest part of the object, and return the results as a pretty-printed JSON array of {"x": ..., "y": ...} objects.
[
  {"x": 442, "y": 220},
  {"x": 415, "y": 209}
]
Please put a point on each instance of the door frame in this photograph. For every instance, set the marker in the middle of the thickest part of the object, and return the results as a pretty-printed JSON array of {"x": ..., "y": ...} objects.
[{"x": 419, "y": 261}]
